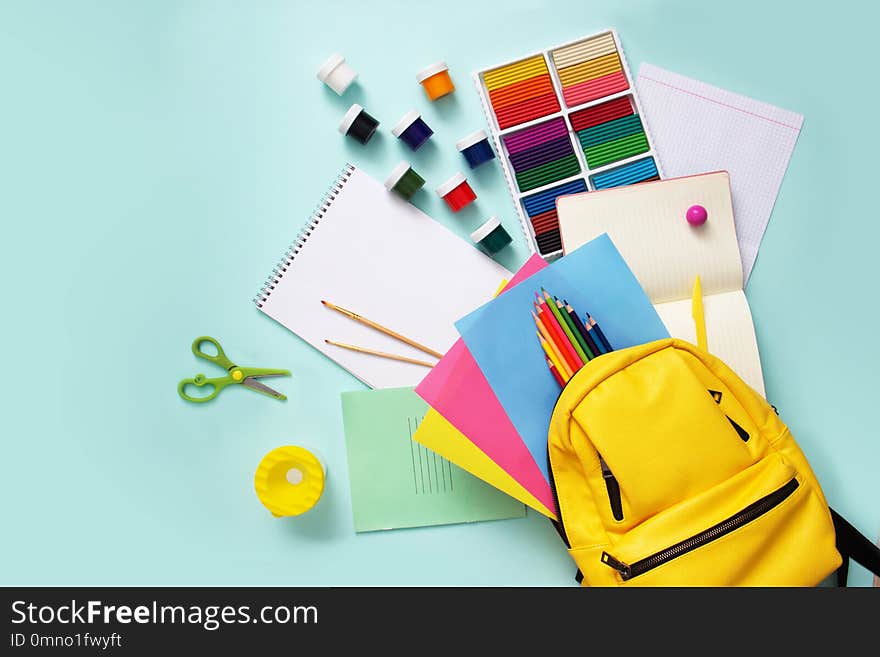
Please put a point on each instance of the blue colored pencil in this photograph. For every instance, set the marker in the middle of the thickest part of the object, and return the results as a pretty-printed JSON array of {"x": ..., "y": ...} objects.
[{"x": 606, "y": 346}]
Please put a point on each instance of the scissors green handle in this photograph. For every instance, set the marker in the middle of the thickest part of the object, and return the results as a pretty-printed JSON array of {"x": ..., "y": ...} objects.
[
  {"x": 220, "y": 357},
  {"x": 200, "y": 380},
  {"x": 246, "y": 376}
]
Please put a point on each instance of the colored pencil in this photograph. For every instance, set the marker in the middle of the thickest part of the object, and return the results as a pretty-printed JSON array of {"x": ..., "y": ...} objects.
[
  {"x": 591, "y": 348},
  {"x": 382, "y": 354},
  {"x": 576, "y": 337},
  {"x": 593, "y": 336},
  {"x": 559, "y": 338},
  {"x": 542, "y": 333},
  {"x": 555, "y": 373},
  {"x": 552, "y": 305},
  {"x": 553, "y": 358},
  {"x": 569, "y": 339},
  {"x": 556, "y": 338},
  {"x": 605, "y": 344},
  {"x": 382, "y": 329}
]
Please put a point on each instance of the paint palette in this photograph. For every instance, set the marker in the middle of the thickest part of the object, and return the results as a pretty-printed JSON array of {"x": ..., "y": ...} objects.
[{"x": 565, "y": 120}]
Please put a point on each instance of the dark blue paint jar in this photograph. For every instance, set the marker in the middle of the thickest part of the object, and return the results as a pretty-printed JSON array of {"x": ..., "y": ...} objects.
[
  {"x": 476, "y": 149},
  {"x": 412, "y": 130}
]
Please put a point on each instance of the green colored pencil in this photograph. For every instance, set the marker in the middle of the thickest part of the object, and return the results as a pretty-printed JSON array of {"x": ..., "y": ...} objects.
[
  {"x": 578, "y": 341},
  {"x": 581, "y": 331},
  {"x": 562, "y": 323}
]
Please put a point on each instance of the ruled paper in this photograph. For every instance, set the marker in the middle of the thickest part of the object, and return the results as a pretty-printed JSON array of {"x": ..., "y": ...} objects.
[{"x": 696, "y": 128}]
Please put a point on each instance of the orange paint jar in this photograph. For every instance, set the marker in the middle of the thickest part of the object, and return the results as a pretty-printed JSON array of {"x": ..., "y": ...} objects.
[{"x": 435, "y": 80}]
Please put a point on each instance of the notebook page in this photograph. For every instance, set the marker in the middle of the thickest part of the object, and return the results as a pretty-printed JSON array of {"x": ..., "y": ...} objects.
[
  {"x": 697, "y": 127},
  {"x": 381, "y": 257},
  {"x": 396, "y": 482},
  {"x": 647, "y": 224},
  {"x": 730, "y": 332}
]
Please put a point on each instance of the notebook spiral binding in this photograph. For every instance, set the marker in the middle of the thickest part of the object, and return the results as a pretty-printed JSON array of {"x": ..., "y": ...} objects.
[{"x": 302, "y": 237}]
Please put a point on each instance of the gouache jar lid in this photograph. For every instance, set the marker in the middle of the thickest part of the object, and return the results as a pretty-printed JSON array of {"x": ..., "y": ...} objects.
[
  {"x": 431, "y": 70},
  {"x": 349, "y": 118},
  {"x": 336, "y": 74},
  {"x": 476, "y": 149},
  {"x": 491, "y": 236},
  {"x": 435, "y": 80},
  {"x": 358, "y": 124},
  {"x": 471, "y": 139},
  {"x": 408, "y": 119},
  {"x": 451, "y": 184},
  {"x": 404, "y": 180},
  {"x": 289, "y": 480}
]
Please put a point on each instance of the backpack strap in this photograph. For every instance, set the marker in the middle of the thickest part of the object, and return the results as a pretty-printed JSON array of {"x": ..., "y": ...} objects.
[{"x": 852, "y": 544}]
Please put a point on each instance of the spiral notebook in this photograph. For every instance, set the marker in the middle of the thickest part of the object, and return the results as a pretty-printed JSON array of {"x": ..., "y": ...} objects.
[{"x": 378, "y": 255}]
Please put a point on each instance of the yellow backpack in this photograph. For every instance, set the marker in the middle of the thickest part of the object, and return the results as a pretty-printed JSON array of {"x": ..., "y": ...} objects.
[{"x": 668, "y": 470}]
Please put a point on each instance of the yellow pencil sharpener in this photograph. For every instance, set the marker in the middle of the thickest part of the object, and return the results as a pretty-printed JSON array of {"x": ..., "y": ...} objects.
[{"x": 289, "y": 480}]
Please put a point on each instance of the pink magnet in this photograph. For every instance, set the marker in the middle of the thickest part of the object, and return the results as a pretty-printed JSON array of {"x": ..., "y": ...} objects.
[{"x": 697, "y": 215}]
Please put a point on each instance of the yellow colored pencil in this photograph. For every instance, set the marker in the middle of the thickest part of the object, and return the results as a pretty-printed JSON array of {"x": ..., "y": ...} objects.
[
  {"x": 563, "y": 372},
  {"x": 542, "y": 333}
]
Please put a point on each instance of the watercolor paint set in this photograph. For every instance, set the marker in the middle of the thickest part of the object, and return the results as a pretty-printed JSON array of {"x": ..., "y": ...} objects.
[{"x": 565, "y": 120}]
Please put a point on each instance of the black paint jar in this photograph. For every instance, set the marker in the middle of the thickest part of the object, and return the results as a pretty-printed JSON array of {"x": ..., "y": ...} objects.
[{"x": 358, "y": 124}]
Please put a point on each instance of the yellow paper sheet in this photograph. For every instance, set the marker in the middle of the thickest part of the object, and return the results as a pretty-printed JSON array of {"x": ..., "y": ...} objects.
[{"x": 437, "y": 434}]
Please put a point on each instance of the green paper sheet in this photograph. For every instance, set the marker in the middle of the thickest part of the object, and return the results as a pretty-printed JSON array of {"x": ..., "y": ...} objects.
[{"x": 395, "y": 481}]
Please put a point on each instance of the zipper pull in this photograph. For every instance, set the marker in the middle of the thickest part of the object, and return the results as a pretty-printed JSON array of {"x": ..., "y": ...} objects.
[
  {"x": 606, "y": 471},
  {"x": 619, "y": 566}
]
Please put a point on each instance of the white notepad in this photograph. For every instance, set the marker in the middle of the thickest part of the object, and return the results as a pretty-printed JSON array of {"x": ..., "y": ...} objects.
[
  {"x": 369, "y": 251},
  {"x": 697, "y": 128},
  {"x": 647, "y": 224}
]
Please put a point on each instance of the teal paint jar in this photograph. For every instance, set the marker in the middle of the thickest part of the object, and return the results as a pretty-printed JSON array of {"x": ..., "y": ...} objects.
[
  {"x": 491, "y": 236},
  {"x": 404, "y": 180}
]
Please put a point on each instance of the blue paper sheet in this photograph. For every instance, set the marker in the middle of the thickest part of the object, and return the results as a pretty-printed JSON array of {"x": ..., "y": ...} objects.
[{"x": 501, "y": 334}]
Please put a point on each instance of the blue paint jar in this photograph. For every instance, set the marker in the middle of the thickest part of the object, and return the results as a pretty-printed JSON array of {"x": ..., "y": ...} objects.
[
  {"x": 476, "y": 149},
  {"x": 412, "y": 130}
]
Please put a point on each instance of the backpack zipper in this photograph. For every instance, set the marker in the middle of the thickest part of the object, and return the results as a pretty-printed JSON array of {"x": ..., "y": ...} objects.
[
  {"x": 747, "y": 515},
  {"x": 611, "y": 484},
  {"x": 560, "y": 527},
  {"x": 613, "y": 489}
]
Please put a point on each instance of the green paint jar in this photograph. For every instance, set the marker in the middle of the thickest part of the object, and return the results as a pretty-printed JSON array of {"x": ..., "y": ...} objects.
[
  {"x": 491, "y": 236},
  {"x": 404, "y": 180}
]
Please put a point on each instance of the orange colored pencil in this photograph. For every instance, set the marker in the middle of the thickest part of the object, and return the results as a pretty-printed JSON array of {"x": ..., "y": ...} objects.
[
  {"x": 555, "y": 353},
  {"x": 558, "y": 337},
  {"x": 562, "y": 343}
]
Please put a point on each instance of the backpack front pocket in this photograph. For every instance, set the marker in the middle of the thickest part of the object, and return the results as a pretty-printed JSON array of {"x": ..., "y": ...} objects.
[
  {"x": 741, "y": 518},
  {"x": 763, "y": 526}
]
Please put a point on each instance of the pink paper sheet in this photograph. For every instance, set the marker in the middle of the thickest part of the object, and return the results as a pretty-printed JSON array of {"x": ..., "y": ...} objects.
[{"x": 457, "y": 389}]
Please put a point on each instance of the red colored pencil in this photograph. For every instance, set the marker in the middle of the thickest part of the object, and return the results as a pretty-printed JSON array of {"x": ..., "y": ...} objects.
[
  {"x": 555, "y": 373},
  {"x": 559, "y": 337}
]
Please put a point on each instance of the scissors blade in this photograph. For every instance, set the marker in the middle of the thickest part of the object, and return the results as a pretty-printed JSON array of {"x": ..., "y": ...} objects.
[
  {"x": 253, "y": 384},
  {"x": 268, "y": 373}
]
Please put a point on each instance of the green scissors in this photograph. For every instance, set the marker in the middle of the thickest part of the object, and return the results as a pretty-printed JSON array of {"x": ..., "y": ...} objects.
[{"x": 246, "y": 376}]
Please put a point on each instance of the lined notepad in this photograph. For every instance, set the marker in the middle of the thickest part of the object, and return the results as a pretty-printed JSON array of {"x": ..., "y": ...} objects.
[
  {"x": 395, "y": 481},
  {"x": 646, "y": 223},
  {"x": 697, "y": 128},
  {"x": 372, "y": 252}
]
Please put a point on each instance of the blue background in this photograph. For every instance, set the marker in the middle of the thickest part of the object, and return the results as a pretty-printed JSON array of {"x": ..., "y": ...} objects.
[{"x": 158, "y": 156}]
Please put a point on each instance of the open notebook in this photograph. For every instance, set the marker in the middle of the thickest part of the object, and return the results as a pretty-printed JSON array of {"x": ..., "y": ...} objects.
[
  {"x": 647, "y": 224},
  {"x": 372, "y": 252}
]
